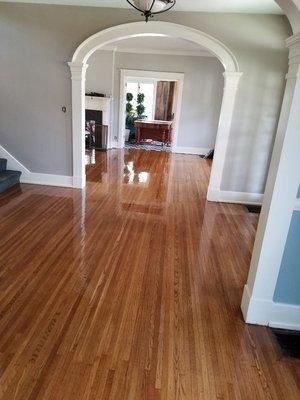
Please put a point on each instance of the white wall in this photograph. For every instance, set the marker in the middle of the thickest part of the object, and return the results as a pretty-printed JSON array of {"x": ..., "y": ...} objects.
[
  {"x": 37, "y": 41},
  {"x": 202, "y": 93}
]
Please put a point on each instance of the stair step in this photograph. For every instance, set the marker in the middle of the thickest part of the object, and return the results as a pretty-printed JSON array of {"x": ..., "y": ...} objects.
[
  {"x": 8, "y": 179},
  {"x": 3, "y": 164}
]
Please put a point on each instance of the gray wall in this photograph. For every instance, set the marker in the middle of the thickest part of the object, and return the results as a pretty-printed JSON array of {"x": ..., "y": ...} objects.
[
  {"x": 254, "y": 121},
  {"x": 202, "y": 93},
  {"x": 38, "y": 40},
  {"x": 100, "y": 73}
]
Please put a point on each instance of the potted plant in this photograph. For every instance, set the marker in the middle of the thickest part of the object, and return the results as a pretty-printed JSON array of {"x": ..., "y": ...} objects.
[
  {"x": 140, "y": 109},
  {"x": 129, "y": 125}
]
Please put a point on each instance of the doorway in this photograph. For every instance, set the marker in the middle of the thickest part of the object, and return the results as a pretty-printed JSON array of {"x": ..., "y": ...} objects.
[
  {"x": 148, "y": 83},
  {"x": 79, "y": 65}
]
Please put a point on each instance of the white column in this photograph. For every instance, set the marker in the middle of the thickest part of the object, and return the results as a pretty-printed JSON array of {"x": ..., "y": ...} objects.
[
  {"x": 78, "y": 71},
  {"x": 231, "y": 81},
  {"x": 279, "y": 201}
]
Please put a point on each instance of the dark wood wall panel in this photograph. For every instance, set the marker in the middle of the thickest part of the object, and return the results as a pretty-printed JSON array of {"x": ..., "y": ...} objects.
[{"x": 164, "y": 100}]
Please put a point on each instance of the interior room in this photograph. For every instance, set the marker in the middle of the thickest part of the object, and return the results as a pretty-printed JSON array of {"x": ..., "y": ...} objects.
[
  {"x": 151, "y": 58},
  {"x": 149, "y": 199},
  {"x": 150, "y": 111}
]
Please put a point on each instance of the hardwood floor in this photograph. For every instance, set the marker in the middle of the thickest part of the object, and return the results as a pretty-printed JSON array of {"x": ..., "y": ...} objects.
[{"x": 131, "y": 290}]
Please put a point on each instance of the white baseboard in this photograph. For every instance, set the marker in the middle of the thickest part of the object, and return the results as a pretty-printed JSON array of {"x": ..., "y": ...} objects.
[
  {"x": 190, "y": 150},
  {"x": 224, "y": 196},
  {"x": 285, "y": 316},
  {"x": 255, "y": 311},
  {"x": 47, "y": 179},
  {"x": 269, "y": 313},
  {"x": 34, "y": 177}
]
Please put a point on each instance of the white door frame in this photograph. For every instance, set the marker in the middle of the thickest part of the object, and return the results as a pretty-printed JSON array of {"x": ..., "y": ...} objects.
[
  {"x": 78, "y": 67},
  {"x": 126, "y": 74}
]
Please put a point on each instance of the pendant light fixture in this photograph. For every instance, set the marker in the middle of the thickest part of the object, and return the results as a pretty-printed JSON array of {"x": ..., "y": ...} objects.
[{"x": 149, "y": 8}]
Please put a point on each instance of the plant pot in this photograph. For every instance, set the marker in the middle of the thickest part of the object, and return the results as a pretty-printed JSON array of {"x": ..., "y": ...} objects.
[{"x": 127, "y": 133}]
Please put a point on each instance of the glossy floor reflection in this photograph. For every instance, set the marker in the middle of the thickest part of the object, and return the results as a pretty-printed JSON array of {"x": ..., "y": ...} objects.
[{"x": 131, "y": 289}]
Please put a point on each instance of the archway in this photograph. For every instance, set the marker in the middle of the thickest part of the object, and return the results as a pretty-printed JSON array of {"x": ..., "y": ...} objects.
[
  {"x": 78, "y": 68},
  {"x": 263, "y": 273}
]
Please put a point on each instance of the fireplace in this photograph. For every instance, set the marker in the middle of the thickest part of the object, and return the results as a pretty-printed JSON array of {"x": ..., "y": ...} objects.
[
  {"x": 97, "y": 110},
  {"x": 99, "y": 104},
  {"x": 93, "y": 115}
]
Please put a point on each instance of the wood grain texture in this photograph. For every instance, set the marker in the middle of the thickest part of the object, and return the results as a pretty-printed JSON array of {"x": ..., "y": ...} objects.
[
  {"x": 131, "y": 290},
  {"x": 164, "y": 100}
]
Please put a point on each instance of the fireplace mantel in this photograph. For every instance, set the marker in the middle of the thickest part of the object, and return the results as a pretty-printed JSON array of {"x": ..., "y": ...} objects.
[{"x": 102, "y": 104}]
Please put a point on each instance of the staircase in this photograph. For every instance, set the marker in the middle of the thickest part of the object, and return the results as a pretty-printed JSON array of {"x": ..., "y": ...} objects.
[{"x": 7, "y": 178}]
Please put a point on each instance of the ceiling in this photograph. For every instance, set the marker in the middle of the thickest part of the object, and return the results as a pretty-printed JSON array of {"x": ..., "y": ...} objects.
[
  {"x": 237, "y": 6},
  {"x": 161, "y": 45}
]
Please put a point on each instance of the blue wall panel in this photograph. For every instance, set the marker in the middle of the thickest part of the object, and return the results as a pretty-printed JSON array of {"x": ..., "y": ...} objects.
[{"x": 288, "y": 283}]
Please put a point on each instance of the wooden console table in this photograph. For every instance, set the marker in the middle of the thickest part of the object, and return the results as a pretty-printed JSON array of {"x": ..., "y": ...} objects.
[{"x": 160, "y": 131}]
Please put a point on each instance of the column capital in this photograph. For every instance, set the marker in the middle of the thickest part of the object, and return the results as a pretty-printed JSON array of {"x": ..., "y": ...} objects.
[
  {"x": 293, "y": 41},
  {"x": 78, "y": 70}
]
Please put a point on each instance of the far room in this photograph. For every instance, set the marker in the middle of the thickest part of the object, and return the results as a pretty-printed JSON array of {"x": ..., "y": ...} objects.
[{"x": 152, "y": 93}]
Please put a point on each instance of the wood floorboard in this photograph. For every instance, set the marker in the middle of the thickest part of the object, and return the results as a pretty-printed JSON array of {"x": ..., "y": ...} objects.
[{"x": 131, "y": 289}]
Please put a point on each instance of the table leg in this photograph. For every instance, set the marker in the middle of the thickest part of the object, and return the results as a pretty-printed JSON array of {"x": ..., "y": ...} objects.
[
  {"x": 138, "y": 136},
  {"x": 164, "y": 138}
]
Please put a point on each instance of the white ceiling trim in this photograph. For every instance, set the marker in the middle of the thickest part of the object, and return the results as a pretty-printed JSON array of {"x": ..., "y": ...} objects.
[{"x": 221, "y": 6}]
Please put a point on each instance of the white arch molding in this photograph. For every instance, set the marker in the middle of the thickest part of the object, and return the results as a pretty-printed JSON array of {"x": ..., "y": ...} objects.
[
  {"x": 257, "y": 302},
  {"x": 78, "y": 68},
  {"x": 291, "y": 8}
]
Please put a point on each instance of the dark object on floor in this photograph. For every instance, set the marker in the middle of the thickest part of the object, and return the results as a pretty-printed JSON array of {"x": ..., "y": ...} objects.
[
  {"x": 8, "y": 178},
  {"x": 288, "y": 341},
  {"x": 254, "y": 209},
  {"x": 209, "y": 155}
]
